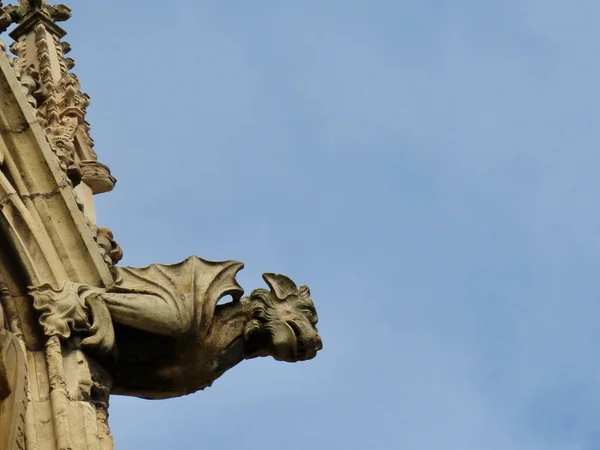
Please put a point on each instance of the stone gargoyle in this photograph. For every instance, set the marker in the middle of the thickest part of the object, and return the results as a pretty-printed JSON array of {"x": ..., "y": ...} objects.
[{"x": 165, "y": 332}]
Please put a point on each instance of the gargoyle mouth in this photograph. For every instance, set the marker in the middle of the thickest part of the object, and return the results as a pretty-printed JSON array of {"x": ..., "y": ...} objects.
[
  {"x": 300, "y": 345},
  {"x": 281, "y": 341},
  {"x": 285, "y": 341},
  {"x": 308, "y": 344}
]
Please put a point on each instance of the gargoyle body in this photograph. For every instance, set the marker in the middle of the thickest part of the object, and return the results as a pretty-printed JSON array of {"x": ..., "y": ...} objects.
[{"x": 173, "y": 338}]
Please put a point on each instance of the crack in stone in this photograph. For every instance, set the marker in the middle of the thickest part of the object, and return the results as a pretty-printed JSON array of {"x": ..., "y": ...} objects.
[
  {"x": 45, "y": 195},
  {"x": 20, "y": 130},
  {"x": 4, "y": 200}
]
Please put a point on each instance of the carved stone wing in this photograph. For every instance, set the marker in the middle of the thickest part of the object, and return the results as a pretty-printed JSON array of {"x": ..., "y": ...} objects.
[
  {"x": 172, "y": 299},
  {"x": 218, "y": 280}
]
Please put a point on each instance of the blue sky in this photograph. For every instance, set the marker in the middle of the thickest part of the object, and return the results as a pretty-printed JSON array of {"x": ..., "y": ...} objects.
[{"x": 428, "y": 168}]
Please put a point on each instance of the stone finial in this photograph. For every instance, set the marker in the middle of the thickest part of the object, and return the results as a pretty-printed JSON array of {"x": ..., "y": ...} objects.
[
  {"x": 5, "y": 19},
  {"x": 34, "y": 12},
  {"x": 55, "y": 92}
]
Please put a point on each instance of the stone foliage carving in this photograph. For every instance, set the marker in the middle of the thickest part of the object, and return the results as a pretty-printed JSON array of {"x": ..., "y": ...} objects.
[
  {"x": 55, "y": 13},
  {"x": 69, "y": 309},
  {"x": 63, "y": 310},
  {"x": 111, "y": 250},
  {"x": 59, "y": 101},
  {"x": 64, "y": 109},
  {"x": 5, "y": 19},
  {"x": 165, "y": 331}
]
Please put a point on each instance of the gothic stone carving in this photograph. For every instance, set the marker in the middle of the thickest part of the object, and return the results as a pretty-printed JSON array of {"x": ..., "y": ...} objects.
[
  {"x": 15, "y": 14},
  {"x": 13, "y": 387},
  {"x": 165, "y": 333},
  {"x": 110, "y": 249},
  {"x": 68, "y": 310},
  {"x": 97, "y": 176},
  {"x": 155, "y": 332},
  {"x": 5, "y": 19},
  {"x": 59, "y": 102}
]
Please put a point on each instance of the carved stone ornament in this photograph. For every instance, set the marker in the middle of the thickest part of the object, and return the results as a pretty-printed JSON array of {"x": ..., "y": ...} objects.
[
  {"x": 5, "y": 19},
  {"x": 70, "y": 309},
  {"x": 111, "y": 250},
  {"x": 164, "y": 331},
  {"x": 97, "y": 176},
  {"x": 195, "y": 339},
  {"x": 13, "y": 387},
  {"x": 54, "y": 13},
  {"x": 75, "y": 327}
]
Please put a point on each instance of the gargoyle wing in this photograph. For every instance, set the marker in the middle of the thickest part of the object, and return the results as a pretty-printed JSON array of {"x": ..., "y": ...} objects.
[
  {"x": 172, "y": 299},
  {"x": 213, "y": 281}
]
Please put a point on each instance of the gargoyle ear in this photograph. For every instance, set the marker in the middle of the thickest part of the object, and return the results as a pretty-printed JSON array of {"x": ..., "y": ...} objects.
[
  {"x": 281, "y": 285},
  {"x": 304, "y": 292}
]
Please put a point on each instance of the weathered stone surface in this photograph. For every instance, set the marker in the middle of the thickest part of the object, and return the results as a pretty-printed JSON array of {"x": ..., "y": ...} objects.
[
  {"x": 97, "y": 176},
  {"x": 13, "y": 389},
  {"x": 161, "y": 332},
  {"x": 74, "y": 326},
  {"x": 194, "y": 339}
]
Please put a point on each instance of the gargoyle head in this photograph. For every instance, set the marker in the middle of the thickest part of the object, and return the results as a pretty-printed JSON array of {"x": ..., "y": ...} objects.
[{"x": 284, "y": 324}]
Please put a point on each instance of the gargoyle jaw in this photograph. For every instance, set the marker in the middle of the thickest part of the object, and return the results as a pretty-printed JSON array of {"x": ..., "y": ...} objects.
[
  {"x": 305, "y": 348},
  {"x": 290, "y": 344},
  {"x": 281, "y": 339}
]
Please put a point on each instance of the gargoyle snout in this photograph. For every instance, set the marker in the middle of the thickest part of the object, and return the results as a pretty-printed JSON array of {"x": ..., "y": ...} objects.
[
  {"x": 319, "y": 343},
  {"x": 313, "y": 347}
]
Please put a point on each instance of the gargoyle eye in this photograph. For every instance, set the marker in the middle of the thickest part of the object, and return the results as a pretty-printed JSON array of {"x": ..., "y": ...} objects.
[{"x": 311, "y": 315}]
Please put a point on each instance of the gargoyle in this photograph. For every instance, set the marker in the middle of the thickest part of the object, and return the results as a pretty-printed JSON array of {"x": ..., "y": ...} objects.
[{"x": 172, "y": 337}]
